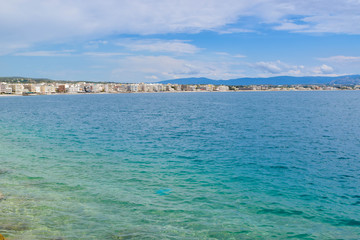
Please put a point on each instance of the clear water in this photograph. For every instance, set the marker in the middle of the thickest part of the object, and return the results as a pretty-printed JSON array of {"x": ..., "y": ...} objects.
[{"x": 256, "y": 165}]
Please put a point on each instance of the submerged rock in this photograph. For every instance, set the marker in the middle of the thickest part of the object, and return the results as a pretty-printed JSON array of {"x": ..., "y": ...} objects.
[
  {"x": 2, "y": 197},
  {"x": 19, "y": 227}
]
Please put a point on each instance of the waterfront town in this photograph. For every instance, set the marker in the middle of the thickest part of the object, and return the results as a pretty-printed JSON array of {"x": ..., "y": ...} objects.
[{"x": 89, "y": 87}]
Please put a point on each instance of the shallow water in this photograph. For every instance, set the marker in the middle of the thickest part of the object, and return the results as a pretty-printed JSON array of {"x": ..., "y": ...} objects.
[{"x": 250, "y": 165}]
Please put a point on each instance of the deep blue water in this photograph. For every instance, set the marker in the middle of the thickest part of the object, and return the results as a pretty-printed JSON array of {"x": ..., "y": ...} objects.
[{"x": 247, "y": 165}]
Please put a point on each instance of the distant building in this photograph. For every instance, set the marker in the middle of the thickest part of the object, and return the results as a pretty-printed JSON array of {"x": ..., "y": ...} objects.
[
  {"x": 17, "y": 89},
  {"x": 61, "y": 89},
  {"x": 133, "y": 87},
  {"x": 3, "y": 86},
  {"x": 222, "y": 88}
]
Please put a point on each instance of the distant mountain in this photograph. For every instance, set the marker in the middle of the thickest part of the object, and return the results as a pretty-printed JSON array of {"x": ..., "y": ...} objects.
[
  {"x": 282, "y": 80},
  {"x": 346, "y": 80}
]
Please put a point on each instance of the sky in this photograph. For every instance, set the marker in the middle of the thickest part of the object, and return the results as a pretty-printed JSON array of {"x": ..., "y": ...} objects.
[{"x": 153, "y": 40}]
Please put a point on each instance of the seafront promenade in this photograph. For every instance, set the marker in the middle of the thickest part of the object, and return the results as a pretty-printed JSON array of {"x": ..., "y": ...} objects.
[{"x": 7, "y": 89}]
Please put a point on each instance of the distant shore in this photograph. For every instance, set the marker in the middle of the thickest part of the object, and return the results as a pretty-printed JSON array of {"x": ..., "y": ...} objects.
[
  {"x": 44, "y": 88},
  {"x": 270, "y": 90}
]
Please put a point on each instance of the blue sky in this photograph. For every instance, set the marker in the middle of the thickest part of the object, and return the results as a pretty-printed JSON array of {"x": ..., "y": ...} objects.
[{"x": 153, "y": 40}]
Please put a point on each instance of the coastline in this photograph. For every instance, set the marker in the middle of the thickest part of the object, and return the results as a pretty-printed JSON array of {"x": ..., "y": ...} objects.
[
  {"x": 10, "y": 95},
  {"x": 230, "y": 91}
]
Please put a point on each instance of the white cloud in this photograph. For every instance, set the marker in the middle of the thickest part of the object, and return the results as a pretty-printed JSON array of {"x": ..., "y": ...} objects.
[
  {"x": 46, "y": 53},
  {"x": 33, "y": 21},
  {"x": 239, "y": 56},
  {"x": 340, "y": 59},
  {"x": 153, "y": 77},
  {"x": 223, "y": 54},
  {"x": 235, "y": 30},
  {"x": 105, "y": 54},
  {"x": 323, "y": 70},
  {"x": 278, "y": 67},
  {"x": 271, "y": 67},
  {"x": 143, "y": 68},
  {"x": 333, "y": 24},
  {"x": 10, "y": 47},
  {"x": 65, "y": 53},
  {"x": 321, "y": 16},
  {"x": 95, "y": 44},
  {"x": 158, "y": 45},
  {"x": 157, "y": 68},
  {"x": 26, "y": 25},
  {"x": 26, "y": 22},
  {"x": 226, "y": 54},
  {"x": 288, "y": 25}
]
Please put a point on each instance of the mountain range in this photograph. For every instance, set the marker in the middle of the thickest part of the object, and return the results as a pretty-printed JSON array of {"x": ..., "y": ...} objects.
[{"x": 281, "y": 80}]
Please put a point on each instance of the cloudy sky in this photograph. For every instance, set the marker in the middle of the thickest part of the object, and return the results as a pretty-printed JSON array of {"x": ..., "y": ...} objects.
[{"x": 153, "y": 40}]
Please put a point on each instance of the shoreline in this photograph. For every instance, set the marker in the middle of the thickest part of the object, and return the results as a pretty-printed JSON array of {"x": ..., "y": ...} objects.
[{"x": 99, "y": 93}]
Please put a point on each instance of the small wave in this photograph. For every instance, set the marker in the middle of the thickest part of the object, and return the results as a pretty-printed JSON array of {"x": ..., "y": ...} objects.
[
  {"x": 344, "y": 176},
  {"x": 279, "y": 167},
  {"x": 301, "y": 236},
  {"x": 347, "y": 222},
  {"x": 280, "y": 212}
]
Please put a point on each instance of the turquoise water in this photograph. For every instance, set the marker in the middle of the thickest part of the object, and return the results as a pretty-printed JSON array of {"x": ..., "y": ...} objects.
[{"x": 250, "y": 165}]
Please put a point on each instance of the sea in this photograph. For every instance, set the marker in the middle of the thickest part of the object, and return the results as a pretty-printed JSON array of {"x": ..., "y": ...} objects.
[{"x": 231, "y": 165}]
